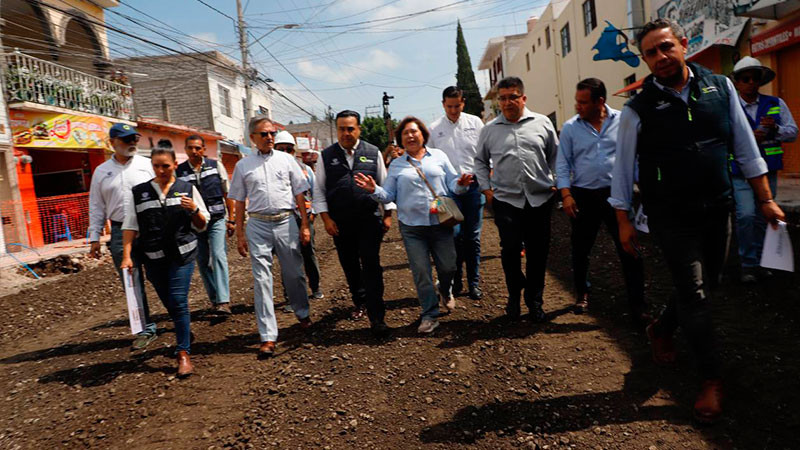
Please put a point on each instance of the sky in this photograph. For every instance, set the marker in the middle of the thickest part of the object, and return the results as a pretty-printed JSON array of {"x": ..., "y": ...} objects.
[{"x": 342, "y": 53}]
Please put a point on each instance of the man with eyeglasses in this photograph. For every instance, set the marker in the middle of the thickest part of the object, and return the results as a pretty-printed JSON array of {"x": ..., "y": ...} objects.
[
  {"x": 681, "y": 129},
  {"x": 111, "y": 181},
  {"x": 772, "y": 124},
  {"x": 353, "y": 218},
  {"x": 270, "y": 184},
  {"x": 522, "y": 146}
]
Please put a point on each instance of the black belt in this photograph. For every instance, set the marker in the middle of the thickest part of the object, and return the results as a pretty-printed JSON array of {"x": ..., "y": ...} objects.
[{"x": 114, "y": 223}]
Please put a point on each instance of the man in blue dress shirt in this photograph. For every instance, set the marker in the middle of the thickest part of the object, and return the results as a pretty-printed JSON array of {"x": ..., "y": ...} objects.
[{"x": 586, "y": 152}]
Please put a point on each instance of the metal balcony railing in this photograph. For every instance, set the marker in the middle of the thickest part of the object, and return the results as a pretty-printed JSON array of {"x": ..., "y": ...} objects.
[{"x": 30, "y": 79}]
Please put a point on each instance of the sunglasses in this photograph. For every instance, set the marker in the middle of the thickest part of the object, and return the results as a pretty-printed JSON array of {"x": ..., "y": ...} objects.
[
  {"x": 264, "y": 134},
  {"x": 130, "y": 139},
  {"x": 749, "y": 78}
]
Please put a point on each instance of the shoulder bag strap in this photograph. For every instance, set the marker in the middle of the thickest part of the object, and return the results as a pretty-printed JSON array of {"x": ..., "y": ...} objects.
[{"x": 422, "y": 175}]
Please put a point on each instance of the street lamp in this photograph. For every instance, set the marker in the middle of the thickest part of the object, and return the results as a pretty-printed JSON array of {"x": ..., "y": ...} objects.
[{"x": 287, "y": 26}]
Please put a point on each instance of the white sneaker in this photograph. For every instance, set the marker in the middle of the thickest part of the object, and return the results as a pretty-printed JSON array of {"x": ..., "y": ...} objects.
[{"x": 427, "y": 326}]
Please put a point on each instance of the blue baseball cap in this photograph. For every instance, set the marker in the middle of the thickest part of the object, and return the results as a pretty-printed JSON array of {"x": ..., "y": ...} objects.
[{"x": 121, "y": 130}]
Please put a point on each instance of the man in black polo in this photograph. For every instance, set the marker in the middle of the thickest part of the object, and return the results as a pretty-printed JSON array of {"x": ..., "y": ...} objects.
[
  {"x": 681, "y": 130},
  {"x": 211, "y": 179},
  {"x": 353, "y": 218}
]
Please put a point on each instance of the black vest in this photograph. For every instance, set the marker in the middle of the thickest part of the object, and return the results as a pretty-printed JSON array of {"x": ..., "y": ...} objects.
[
  {"x": 210, "y": 185},
  {"x": 165, "y": 230},
  {"x": 683, "y": 148},
  {"x": 346, "y": 201}
]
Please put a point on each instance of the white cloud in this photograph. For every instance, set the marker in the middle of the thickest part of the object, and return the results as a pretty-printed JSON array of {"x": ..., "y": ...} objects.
[
  {"x": 375, "y": 61},
  {"x": 206, "y": 38}
]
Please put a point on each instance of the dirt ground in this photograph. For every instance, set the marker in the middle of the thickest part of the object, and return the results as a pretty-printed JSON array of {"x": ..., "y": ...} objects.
[{"x": 69, "y": 380}]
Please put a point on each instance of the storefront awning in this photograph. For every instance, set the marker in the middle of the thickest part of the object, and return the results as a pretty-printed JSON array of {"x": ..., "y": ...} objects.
[
  {"x": 769, "y": 9},
  {"x": 631, "y": 87}
]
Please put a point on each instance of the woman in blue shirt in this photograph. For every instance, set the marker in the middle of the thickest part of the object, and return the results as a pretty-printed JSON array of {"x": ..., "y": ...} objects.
[{"x": 423, "y": 236}]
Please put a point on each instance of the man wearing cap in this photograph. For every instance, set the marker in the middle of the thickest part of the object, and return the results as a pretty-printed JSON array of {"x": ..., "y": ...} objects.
[
  {"x": 456, "y": 134},
  {"x": 284, "y": 142},
  {"x": 772, "y": 125},
  {"x": 270, "y": 185},
  {"x": 679, "y": 131},
  {"x": 353, "y": 218},
  {"x": 111, "y": 182},
  {"x": 211, "y": 179}
]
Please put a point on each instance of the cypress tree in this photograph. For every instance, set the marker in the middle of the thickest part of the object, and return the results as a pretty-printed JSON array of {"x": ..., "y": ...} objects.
[{"x": 465, "y": 77}]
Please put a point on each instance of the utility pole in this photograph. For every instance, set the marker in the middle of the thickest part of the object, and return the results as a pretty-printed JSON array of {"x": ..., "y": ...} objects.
[
  {"x": 387, "y": 117},
  {"x": 330, "y": 121},
  {"x": 248, "y": 93}
]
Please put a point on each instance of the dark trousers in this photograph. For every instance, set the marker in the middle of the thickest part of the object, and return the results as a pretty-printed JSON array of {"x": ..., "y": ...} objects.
[
  {"x": 695, "y": 249},
  {"x": 310, "y": 262},
  {"x": 594, "y": 211},
  {"x": 358, "y": 245},
  {"x": 517, "y": 226},
  {"x": 171, "y": 282}
]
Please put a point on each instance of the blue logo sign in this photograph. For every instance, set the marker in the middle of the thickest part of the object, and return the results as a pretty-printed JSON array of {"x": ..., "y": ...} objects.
[{"x": 613, "y": 45}]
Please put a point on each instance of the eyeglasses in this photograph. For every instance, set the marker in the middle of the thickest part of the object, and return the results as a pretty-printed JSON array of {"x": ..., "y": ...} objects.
[
  {"x": 130, "y": 139},
  {"x": 509, "y": 98},
  {"x": 264, "y": 134},
  {"x": 749, "y": 78}
]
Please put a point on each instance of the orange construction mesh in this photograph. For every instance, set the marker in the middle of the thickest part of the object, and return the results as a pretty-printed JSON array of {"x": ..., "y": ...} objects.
[{"x": 46, "y": 220}]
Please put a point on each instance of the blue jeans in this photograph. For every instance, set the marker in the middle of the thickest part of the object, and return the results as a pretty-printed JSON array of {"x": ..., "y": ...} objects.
[
  {"x": 421, "y": 243},
  {"x": 750, "y": 223},
  {"x": 468, "y": 235},
  {"x": 115, "y": 246},
  {"x": 171, "y": 282},
  {"x": 212, "y": 260}
]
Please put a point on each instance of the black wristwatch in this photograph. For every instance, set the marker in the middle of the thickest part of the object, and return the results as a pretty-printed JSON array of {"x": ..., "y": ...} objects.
[{"x": 196, "y": 210}]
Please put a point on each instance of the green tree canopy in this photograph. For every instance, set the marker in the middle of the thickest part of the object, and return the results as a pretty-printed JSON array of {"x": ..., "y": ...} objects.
[
  {"x": 373, "y": 130},
  {"x": 465, "y": 77}
]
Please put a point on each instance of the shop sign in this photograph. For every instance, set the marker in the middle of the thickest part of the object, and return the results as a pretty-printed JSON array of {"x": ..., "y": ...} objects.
[
  {"x": 706, "y": 23},
  {"x": 48, "y": 130},
  {"x": 775, "y": 39}
]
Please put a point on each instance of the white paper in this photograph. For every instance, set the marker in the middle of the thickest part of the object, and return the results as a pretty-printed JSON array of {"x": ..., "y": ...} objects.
[
  {"x": 777, "y": 252},
  {"x": 640, "y": 221},
  {"x": 135, "y": 307}
]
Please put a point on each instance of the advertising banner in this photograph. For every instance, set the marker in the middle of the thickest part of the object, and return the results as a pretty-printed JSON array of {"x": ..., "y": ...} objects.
[
  {"x": 707, "y": 22},
  {"x": 52, "y": 130}
]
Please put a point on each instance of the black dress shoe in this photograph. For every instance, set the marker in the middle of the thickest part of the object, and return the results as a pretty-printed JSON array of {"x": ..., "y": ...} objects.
[
  {"x": 475, "y": 293},
  {"x": 380, "y": 330},
  {"x": 537, "y": 315},
  {"x": 457, "y": 287}
]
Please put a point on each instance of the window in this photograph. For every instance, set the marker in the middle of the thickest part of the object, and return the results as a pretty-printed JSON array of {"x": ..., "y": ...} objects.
[
  {"x": 629, "y": 81},
  {"x": 565, "y": 45},
  {"x": 263, "y": 111},
  {"x": 539, "y": 41},
  {"x": 224, "y": 100},
  {"x": 533, "y": 49},
  {"x": 547, "y": 36},
  {"x": 244, "y": 107},
  {"x": 589, "y": 17},
  {"x": 528, "y": 61}
]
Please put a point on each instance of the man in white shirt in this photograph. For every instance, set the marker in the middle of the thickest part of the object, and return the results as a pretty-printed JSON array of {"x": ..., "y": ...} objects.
[
  {"x": 456, "y": 134},
  {"x": 111, "y": 183},
  {"x": 271, "y": 185}
]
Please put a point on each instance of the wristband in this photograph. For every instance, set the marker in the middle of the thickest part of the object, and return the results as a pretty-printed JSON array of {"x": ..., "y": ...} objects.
[
  {"x": 196, "y": 210},
  {"x": 764, "y": 202}
]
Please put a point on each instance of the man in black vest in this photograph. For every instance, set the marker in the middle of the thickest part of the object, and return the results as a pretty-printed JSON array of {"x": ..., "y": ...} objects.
[
  {"x": 682, "y": 127},
  {"x": 353, "y": 218},
  {"x": 211, "y": 179}
]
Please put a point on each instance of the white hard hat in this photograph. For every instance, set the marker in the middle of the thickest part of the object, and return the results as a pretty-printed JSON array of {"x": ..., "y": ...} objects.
[
  {"x": 284, "y": 137},
  {"x": 750, "y": 63}
]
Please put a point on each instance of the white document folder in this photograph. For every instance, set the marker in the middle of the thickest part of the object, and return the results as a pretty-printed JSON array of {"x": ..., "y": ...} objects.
[
  {"x": 777, "y": 252},
  {"x": 134, "y": 296}
]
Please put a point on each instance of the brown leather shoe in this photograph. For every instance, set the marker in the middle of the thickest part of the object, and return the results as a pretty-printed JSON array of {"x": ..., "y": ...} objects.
[
  {"x": 185, "y": 367},
  {"x": 708, "y": 406},
  {"x": 662, "y": 346},
  {"x": 267, "y": 349}
]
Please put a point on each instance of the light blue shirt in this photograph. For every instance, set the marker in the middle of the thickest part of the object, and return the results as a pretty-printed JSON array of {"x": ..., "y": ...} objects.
[
  {"x": 405, "y": 187},
  {"x": 586, "y": 157},
  {"x": 787, "y": 130},
  {"x": 745, "y": 150}
]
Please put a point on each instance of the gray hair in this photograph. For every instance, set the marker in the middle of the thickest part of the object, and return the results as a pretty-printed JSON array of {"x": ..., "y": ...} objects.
[
  {"x": 659, "y": 24},
  {"x": 256, "y": 121}
]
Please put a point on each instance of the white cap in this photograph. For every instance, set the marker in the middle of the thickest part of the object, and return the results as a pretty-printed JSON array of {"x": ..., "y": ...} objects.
[{"x": 284, "y": 137}]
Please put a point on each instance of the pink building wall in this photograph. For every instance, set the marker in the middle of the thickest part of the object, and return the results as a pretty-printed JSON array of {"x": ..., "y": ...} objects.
[{"x": 178, "y": 142}]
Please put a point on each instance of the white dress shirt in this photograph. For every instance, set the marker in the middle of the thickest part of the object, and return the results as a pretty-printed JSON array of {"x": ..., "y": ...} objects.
[
  {"x": 320, "y": 202},
  {"x": 268, "y": 182},
  {"x": 111, "y": 182},
  {"x": 131, "y": 222},
  {"x": 458, "y": 140}
]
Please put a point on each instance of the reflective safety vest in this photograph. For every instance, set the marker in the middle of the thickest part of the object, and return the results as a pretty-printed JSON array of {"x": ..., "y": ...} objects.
[
  {"x": 165, "y": 228},
  {"x": 771, "y": 148},
  {"x": 210, "y": 185}
]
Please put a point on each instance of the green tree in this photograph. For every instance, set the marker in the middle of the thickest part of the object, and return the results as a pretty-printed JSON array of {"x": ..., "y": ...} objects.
[
  {"x": 373, "y": 130},
  {"x": 465, "y": 77}
]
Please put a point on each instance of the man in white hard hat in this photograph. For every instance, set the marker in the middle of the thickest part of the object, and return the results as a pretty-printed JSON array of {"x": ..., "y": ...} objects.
[
  {"x": 772, "y": 124},
  {"x": 284, "y": 141}
]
